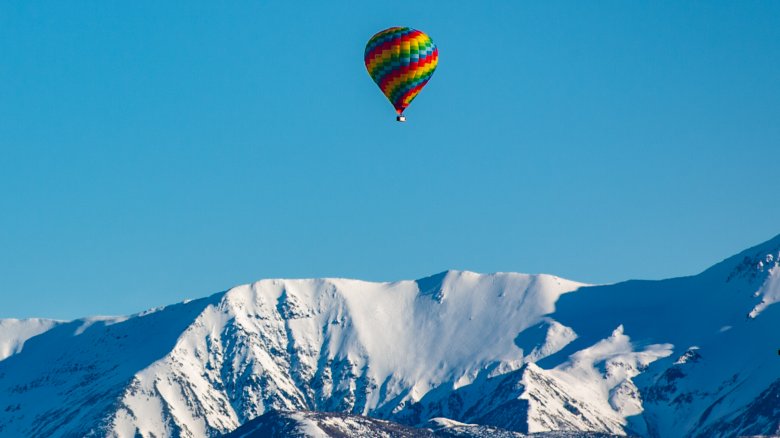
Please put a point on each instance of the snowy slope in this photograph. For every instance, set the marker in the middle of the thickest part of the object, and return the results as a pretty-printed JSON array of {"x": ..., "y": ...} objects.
[
  {"x": 15, "y": 332},
  {"x": 66, "y": 380},
  {"x": 526, "y": 353}
]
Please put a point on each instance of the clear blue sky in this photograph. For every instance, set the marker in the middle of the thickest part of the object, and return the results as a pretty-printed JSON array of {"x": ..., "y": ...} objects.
[{"x": 156, "y": 151}]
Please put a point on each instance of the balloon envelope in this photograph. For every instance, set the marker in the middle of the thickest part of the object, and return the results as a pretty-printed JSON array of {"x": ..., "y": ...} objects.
[{"x": 401, "y": 60}]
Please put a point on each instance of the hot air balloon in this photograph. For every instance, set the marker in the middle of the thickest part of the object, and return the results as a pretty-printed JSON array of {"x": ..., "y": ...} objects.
[{"x": 401, "y": 60}]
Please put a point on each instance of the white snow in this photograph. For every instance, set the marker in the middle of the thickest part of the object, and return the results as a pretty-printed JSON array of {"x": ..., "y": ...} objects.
[
  {"x": 457, "y": 344},
  {"x": 599, "y": 377},
  {"x": 444, "y": 423},
  {"x": 309, "y": 427},
  {"x": 86, "y": 323},
  {"x": 769, "y": 292},
  {"x": 15, "y": 332}
]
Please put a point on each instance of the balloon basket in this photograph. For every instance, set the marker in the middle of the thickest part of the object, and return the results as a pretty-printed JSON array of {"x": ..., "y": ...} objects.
[{"x": 400, "y": 119}]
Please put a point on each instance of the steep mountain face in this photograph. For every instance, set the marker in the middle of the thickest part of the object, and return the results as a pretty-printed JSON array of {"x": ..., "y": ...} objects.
[{"x": 524, "y": 353}]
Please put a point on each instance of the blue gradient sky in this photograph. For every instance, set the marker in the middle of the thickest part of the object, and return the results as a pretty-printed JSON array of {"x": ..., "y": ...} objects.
[{"x": 155, "y": 151}]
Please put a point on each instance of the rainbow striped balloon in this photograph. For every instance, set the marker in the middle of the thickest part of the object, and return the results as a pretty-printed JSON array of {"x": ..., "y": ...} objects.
[{"x": 401, "y": 60}]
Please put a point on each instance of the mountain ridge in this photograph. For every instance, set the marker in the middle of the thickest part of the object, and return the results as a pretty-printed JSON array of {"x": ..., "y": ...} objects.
[{"x": 527, "y": 353}]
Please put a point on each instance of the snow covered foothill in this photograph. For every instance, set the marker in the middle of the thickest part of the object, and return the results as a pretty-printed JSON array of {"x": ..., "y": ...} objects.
[{"x": 307, "y": 424}]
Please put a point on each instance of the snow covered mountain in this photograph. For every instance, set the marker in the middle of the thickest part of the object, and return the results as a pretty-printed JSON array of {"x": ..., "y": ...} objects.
[{"x": 692, "y": 356}]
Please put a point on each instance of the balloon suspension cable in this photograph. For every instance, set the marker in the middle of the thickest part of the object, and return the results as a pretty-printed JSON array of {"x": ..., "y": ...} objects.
[{"x": 400, "y": 118}]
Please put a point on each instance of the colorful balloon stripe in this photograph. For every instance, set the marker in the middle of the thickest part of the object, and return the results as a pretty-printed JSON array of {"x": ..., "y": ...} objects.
[{"x": 401, "y": 61}]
